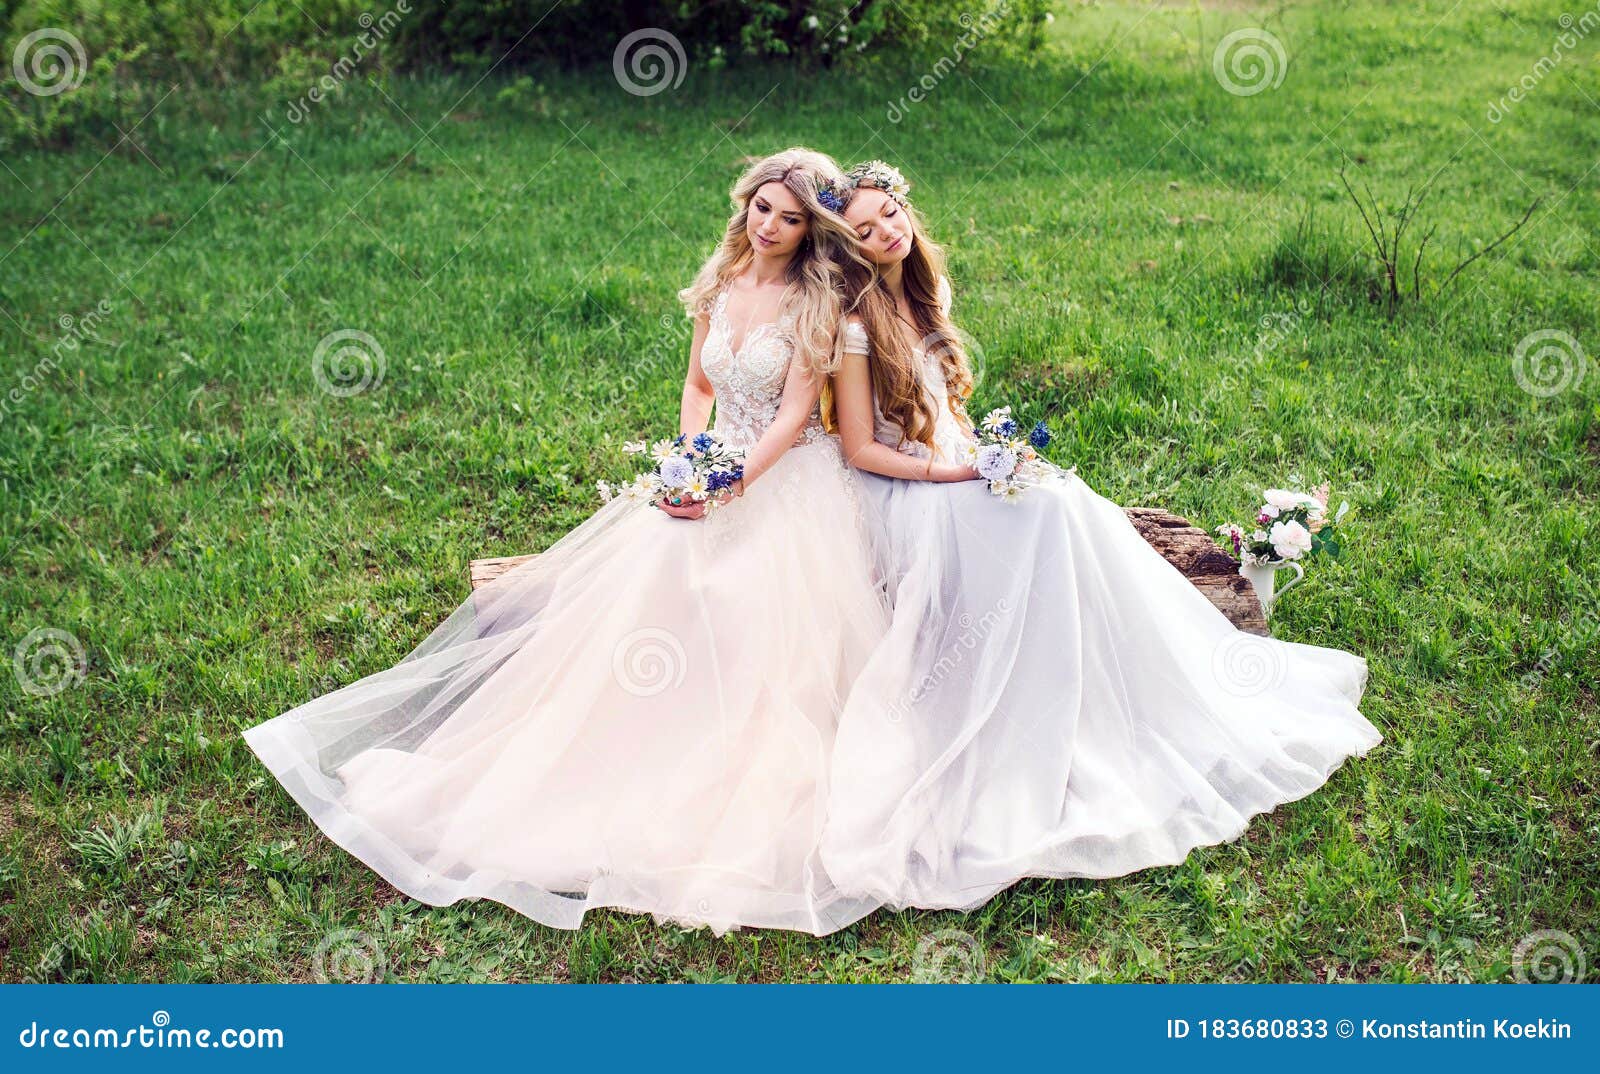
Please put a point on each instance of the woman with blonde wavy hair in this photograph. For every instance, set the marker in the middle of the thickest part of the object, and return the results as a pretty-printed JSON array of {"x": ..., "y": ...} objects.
[
  {"x": 1052, "y": 698},
  {"x": 780, "y": 260},
  {"x": 643, "y": 715}
]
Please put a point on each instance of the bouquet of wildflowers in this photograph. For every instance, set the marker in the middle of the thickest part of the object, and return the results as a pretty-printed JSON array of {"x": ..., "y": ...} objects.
[
  {"x": 695, "y": 473},
  {"x": 1009, "y": 462},
  {"x": 1290, "y": 526}
]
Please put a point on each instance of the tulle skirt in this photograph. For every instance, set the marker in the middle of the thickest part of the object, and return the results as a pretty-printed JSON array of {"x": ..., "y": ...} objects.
[
  {"x": 1053, "y": 698},
  {"x": 641, "y": 717}
]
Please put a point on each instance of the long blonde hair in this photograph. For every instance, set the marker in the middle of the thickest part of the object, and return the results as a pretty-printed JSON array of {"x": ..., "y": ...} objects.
[
  {"x": 897, "y": 382},
  {"x": 817, "y": 266}
]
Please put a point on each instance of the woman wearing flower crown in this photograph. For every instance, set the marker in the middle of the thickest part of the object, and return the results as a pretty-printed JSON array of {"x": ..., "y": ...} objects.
[
  {"x": 1053, "y": 697},
  {"x": 642, "y": 716}
]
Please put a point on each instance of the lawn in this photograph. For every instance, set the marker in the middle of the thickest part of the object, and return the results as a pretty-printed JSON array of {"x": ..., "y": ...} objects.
[{"x": 1171, "y": 272}]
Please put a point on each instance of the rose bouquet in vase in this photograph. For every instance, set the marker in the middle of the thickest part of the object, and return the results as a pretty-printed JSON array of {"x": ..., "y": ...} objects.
[{"x": 1291, "y": 527}]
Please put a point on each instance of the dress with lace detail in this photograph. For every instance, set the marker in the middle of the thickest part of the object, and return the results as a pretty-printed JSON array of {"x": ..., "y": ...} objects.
[
  {"x": 749, "y": 388},
  {"x": 641, "y": 716},
  {"x": 749, "y": 384}
]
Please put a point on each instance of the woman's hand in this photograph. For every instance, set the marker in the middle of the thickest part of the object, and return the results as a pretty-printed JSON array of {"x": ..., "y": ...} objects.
[
  {"x": 691, "y": 509},
  {"x": 953, "y": 471}
]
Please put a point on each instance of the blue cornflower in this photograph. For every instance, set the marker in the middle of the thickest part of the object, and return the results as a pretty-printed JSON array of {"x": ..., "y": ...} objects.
[
  {"x": 831, "y": 201},
  {"x": 1040, "y": 436},
  {"x": 1007, "y": 427},
  {"x": 703, "y": 441},
  {"x": 681, "y": 438},
  {"x": 717, "y": 480}
]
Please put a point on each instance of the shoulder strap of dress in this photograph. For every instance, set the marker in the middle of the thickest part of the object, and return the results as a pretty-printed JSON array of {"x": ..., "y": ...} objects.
[{"x": 855, "y": 338}]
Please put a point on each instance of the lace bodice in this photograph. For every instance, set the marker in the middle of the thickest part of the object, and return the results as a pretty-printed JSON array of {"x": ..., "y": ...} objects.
[{"x": 749, "y": 384}]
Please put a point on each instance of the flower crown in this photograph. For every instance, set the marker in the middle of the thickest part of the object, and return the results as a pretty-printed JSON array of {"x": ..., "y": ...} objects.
[{"x": 834, "y": 194}]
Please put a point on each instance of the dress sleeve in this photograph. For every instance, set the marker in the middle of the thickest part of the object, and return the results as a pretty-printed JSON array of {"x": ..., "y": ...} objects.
[
  {"x": 855, "y": 338},
  {"x": 944, "y": 294}
]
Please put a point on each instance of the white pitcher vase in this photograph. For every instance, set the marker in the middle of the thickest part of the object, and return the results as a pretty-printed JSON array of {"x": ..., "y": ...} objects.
[{"x": 1264, "y": 577}]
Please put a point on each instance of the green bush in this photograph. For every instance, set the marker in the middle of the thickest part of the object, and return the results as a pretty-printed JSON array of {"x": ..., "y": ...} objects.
[
  {"x": 97, "y": 66},
  {"x": 103, "y": 63},
  {"x": 822, "y": 32}
]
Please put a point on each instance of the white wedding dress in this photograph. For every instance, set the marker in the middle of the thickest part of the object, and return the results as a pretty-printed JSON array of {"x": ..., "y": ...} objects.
[
  {"x": 640, "y": 717},
  {"x": 1055, "y": 699}
]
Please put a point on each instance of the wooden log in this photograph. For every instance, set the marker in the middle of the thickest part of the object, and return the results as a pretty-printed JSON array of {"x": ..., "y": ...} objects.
[
  {"x": 1215, "y": 573},
  {"x": 487, "y": 570},
  {"x": 1186, "y": 547}
]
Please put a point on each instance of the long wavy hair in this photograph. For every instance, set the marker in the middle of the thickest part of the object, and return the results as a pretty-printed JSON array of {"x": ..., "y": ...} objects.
[
  {"x": 897, "y": 381},
  {"x": 817, "y": 266}
]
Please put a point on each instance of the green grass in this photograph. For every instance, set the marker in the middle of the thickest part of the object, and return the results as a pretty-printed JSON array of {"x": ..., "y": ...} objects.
[{"x": 226, "y": 540}]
